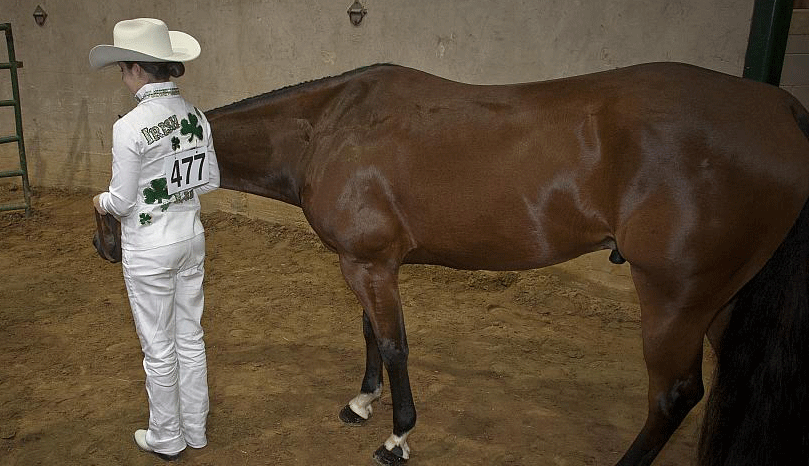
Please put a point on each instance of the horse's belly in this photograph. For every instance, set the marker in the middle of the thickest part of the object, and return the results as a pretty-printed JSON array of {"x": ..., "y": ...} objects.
[
  {"x": 506, "y": 229},
  {"x": 485, "y": 246}
]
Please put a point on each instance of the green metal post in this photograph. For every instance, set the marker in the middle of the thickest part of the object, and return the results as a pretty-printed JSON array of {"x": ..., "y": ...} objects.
[
  {"x": 767, "y": 44},
  {"x": 12, "y": 65}
]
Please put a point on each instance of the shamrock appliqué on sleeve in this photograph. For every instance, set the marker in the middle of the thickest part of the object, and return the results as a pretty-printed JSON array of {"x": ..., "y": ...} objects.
[
  {"x": 192, "y": 127},
  {"x": 145, "y": 219}
]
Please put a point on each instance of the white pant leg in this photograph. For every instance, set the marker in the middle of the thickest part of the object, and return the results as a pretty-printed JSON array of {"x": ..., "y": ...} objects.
[
  {"x": 152, "y": 278},
  {"x": 188, "y": 305}
]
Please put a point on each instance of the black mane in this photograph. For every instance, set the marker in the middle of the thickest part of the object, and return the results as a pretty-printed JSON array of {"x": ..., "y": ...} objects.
[{"x": 293, "y": 87}]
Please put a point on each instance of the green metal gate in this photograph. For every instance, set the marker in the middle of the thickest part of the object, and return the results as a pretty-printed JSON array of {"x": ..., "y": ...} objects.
[
  {"x": 12, "y": 66},
  {"x": 767, "y": 44}
]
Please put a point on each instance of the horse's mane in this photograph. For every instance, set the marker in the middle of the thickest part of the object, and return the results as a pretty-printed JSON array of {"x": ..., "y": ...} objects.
[{"x": 294, "y": 87}]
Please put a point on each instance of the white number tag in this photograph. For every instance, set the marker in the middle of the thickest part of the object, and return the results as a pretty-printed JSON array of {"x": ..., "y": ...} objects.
[{"x": 185, "y": 170}]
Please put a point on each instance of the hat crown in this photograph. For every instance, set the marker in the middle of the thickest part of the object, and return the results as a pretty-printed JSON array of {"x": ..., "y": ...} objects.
[
  {"x": 147, "y": 40},
  {"x": 145, "y": 35}
]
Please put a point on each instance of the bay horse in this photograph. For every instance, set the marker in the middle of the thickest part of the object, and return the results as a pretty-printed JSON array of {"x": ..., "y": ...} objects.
[{"x": 698, "y": 179}]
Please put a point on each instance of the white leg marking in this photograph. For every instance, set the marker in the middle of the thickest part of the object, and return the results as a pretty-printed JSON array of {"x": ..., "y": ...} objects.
[
  {"x": 395, "y": 441},
  {"x": 361, "y": 404}
]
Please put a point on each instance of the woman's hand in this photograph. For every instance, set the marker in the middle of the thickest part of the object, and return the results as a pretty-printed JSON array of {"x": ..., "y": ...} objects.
[{"x": 97, "y": 204}]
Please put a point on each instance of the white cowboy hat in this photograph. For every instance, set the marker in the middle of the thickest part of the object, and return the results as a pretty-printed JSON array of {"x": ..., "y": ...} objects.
[{"x": 145, "y": 40}]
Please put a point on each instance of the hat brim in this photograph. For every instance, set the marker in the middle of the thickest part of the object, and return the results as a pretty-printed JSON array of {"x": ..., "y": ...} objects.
[{"x": 184, "y": 48}]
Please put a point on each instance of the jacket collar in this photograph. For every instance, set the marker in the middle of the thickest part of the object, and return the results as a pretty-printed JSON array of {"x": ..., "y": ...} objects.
[{"x": 155, "y": 90}]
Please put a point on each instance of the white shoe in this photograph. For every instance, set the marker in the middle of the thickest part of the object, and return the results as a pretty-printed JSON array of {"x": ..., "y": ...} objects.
[{"x": 140, "y": 441}]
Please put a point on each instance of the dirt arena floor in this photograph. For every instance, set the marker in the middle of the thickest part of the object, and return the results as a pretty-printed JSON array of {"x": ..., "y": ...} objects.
[{"x": 520, "y": 368}]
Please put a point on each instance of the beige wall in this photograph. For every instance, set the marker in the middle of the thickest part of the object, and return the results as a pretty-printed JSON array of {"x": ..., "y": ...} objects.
[
  {"x": 250, "y": 47},
  {"x": 795, "y": 74}
]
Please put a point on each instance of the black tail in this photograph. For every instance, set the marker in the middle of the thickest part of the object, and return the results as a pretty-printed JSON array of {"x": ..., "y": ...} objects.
[{"x": 758, "y": 410}]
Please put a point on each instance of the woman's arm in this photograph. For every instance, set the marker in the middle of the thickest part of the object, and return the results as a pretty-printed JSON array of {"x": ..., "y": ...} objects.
[{"x": 121, "y": 198}]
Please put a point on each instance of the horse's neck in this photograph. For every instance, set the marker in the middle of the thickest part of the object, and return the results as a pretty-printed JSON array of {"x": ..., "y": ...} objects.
[
  {"x": 261, "y": 154},
  {"x": 264, "y": 140},
  {"x": 280, "y": 185}
]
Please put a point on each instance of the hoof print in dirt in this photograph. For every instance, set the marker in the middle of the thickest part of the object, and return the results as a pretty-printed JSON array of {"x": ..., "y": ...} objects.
[
  {"x": 385, "y": 457},
  {"x": 350, "y": 418}
]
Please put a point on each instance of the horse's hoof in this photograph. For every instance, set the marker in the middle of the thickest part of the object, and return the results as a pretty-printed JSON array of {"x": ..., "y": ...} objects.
[
  {"x": 350, "y": 418},
  {"x": 385, "y": 457}
]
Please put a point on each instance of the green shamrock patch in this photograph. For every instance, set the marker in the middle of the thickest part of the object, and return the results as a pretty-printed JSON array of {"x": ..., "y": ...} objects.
[
  {"x": 157, "y": 192},
  {"x": 175, "y": 143},
  {"x": 145, "y": 219},
  {"x": 191, "y": 126}
]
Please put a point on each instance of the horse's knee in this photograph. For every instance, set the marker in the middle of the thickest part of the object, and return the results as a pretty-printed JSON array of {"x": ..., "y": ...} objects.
[
  {"x": 367, "y": 329},
  {"x": 392, "y": 353},
  {"x": 373, "y": 360}
]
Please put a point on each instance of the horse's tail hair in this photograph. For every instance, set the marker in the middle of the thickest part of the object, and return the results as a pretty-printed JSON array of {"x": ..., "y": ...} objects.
[
  {"x": 758, "y": 409},
  {"x": 801, "y": 116}
]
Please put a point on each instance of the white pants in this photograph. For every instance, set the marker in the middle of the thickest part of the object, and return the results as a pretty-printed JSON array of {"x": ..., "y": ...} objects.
[{"x": 165, "y": 292}]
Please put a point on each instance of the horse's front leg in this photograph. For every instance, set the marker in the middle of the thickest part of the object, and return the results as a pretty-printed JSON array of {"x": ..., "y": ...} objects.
[
  {"x": 359, "y": 409},
  {"x": 376, "y": 287}
]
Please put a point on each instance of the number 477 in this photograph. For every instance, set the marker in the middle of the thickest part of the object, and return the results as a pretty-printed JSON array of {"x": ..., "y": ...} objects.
[{"x": 188, "y": 163}]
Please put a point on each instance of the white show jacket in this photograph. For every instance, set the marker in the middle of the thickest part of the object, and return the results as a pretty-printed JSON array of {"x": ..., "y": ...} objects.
[{"x": 163, "y": 145}]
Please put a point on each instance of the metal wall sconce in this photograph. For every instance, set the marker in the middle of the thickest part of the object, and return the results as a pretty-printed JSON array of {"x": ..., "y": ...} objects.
[
  {"x": 40, "y": 15},
  {"x": 356, "y": 12}
]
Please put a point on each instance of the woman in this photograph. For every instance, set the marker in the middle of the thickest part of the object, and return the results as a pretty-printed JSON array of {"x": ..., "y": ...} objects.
[{"x": 162, "y": 159}]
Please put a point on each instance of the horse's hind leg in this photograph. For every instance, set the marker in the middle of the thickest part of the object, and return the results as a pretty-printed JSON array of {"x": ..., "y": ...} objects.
[
  {"x": 376, "y": 287},
  {"x": 672, "y": 346},
  {"x": 359, "y": 409}
]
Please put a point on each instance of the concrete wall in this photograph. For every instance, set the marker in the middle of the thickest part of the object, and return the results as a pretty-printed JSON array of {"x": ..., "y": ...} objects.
[
  {"x": 250, "y": 47},
  {"x": 795, "y": 74}
]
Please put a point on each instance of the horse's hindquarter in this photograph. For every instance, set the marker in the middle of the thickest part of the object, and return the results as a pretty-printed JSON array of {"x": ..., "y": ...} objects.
[{"x": 720, "y": 174}]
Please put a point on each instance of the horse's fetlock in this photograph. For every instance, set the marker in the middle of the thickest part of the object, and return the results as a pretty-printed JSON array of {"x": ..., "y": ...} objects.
[
  {"x": 683, "y": 395},
  {"x": 362, "y": 403},
  {"x": 397, "y": 444}
]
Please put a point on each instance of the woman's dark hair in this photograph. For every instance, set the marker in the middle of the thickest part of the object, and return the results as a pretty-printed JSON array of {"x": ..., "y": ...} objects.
[{"x": 161, "y": 70}]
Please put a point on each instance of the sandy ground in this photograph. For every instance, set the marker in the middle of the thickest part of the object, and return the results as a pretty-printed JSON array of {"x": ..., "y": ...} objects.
[{"x": 541, "y": 367}]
